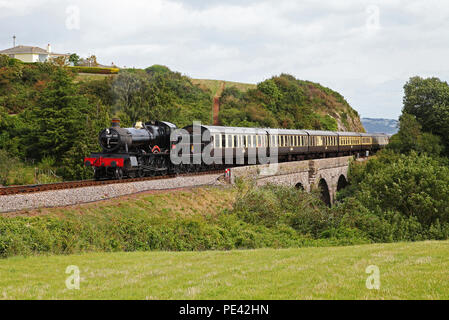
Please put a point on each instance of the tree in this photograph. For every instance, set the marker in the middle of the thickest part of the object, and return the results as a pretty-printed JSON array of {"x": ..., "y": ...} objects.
[
  {"x": 59, "y": 118},
  {"x": 92, "y": 61},
  {"x": 60, "y": 61},
  {"x": 428, "y": 100},
  {"x": 410, "y": 137},
  {"x": 74, "y": 58}
]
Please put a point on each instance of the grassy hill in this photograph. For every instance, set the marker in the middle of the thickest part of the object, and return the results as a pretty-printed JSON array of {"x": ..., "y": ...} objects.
[
  {"x": 407, "y": 271},
  {"x": 214, "y": 86}
]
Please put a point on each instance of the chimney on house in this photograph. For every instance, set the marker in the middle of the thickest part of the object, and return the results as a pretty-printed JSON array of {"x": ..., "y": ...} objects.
[{"x": 48, "y": 48}]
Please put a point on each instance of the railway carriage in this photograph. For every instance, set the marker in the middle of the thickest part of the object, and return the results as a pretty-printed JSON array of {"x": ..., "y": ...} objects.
[
  {"x": 379, "y": 141},
  {"x": 290, "y": 144},
  {"x": 349, "y": 142},
  {"x": 322, "y": 142},
  {"x": 236, "y": 144}
]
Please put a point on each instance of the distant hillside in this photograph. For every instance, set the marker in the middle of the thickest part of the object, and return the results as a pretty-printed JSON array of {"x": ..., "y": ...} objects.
[{"x": 373, "y": 125}]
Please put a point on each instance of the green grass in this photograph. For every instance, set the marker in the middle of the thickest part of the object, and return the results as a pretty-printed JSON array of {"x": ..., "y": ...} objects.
[
  {"x": 407, "y": 271},
  {"x": 215, "y": 85},
  {"x": 90, "y": 76}
]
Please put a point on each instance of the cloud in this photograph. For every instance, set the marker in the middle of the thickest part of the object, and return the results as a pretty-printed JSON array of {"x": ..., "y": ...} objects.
[{"x": 366, "y": 50}]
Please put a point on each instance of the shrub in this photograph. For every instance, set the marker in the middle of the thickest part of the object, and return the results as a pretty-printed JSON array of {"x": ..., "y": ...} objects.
[{"x": 398, "y": 197}]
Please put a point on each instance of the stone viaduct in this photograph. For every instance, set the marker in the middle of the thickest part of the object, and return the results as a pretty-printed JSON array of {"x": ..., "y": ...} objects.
[{"x": 328, "y": 175}]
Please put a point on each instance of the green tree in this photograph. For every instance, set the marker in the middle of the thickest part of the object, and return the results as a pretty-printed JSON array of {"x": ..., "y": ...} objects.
[
  {"x": 59, "y": 117},
  {"x": 74, "y": 58},
  {"x": 410, "y": 137},
  {"x": 428, "y": 100}
]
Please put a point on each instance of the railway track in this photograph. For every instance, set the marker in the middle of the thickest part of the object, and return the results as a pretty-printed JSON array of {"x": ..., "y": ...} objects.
[{"x": 88, "y": 183}]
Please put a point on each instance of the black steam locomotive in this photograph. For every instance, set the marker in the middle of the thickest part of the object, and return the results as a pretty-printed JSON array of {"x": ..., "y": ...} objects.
[
  {"x": 146, "y": 149},
  {"x": 132, "y": 152}
]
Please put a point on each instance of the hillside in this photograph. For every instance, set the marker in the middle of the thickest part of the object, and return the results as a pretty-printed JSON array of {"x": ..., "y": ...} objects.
[
  {"x": 373, "y": 125},
  {"x": 283, "y": 102},
  {"x": 306, "y": 273}
]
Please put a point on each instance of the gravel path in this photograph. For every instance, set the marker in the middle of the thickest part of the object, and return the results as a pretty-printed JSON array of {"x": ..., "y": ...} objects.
[{"x": 59, "y": 198}]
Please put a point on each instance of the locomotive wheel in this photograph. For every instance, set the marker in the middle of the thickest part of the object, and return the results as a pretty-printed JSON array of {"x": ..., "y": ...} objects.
[
  {"x": 140, "y": 173},
  {"x": 119, "y": 174},
  {"x": 176, "y": 169},
  {"x": 97, "y": 175}
]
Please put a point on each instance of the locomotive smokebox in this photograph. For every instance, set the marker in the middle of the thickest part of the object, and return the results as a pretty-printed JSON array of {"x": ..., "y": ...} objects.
[{"x": 115, "y": 123}]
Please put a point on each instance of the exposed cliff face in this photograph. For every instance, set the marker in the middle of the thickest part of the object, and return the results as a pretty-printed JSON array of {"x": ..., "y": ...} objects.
[{"x": 326, "y": 101}]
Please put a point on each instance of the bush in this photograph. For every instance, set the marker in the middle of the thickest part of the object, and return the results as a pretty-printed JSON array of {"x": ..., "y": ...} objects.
[
  {"x": 398, "y": 197},
  {"x": 293, "y": 219}
]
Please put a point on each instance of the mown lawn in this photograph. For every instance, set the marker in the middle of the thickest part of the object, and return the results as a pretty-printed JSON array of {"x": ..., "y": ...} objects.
[{"x": 407, "y": 271}]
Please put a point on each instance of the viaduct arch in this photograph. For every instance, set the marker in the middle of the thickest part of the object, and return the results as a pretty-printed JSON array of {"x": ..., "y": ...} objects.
[{"x": 327, "y": 175}]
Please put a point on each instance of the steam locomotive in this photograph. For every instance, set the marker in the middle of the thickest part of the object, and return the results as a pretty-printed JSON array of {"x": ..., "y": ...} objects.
[{"x": 147, "y": 149}]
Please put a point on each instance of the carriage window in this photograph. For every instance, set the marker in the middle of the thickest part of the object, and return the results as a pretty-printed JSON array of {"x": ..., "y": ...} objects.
[
  {"x": 259, "y": 141},
  {"x": 217, "y": 141},
  {"x": 229, "y": 142},
  {"x": 236, "y": 141}
]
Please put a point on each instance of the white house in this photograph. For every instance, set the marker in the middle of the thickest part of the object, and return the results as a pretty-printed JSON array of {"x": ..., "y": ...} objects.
[{"x": 31, "y": 54}]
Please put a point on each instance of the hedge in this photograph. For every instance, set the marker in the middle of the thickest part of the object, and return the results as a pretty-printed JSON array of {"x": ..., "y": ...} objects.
[{"x": 95, "y": 70}]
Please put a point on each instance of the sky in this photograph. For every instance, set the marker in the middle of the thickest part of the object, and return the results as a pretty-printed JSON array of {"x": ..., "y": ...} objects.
[{"x": 365, "y": 50}]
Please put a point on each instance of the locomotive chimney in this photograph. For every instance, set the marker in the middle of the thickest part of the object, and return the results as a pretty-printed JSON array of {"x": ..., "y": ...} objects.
[{"x": 115, "y": 123}]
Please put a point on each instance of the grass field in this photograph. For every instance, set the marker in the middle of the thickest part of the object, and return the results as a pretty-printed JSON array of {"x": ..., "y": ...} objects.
[
  {"x": 215, "y": 85},
  {"x": 407, "y": 271}
]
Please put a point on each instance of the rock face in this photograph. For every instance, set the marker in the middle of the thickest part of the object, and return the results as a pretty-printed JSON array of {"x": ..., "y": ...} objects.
[
  {"x": 374, "y": 125},
  {"x": 328, "y": 102}
]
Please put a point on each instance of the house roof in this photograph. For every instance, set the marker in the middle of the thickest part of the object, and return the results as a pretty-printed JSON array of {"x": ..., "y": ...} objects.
[{"x": 28, "y": 49}]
